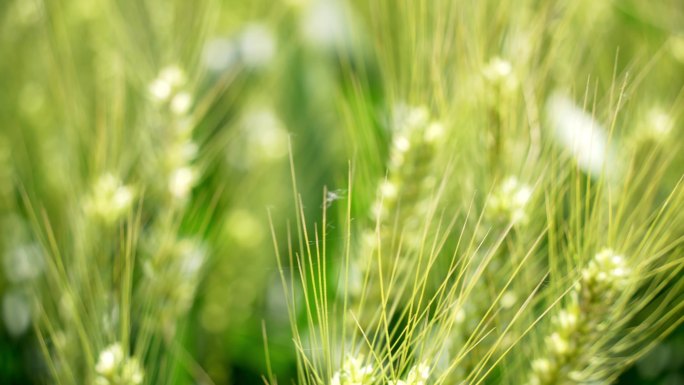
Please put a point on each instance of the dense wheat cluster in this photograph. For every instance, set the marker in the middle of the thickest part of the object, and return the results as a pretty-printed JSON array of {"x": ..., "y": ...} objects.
[{"x": 341, "y": 192}]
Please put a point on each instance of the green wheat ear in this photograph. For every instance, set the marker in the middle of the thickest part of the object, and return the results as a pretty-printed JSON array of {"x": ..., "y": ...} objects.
[
  {"x": 581, "y": 324},
  {"x": 392, "y": 245}
]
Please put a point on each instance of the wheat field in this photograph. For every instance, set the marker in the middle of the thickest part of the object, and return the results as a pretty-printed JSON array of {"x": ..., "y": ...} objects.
[{"x": 342, "y": 192}]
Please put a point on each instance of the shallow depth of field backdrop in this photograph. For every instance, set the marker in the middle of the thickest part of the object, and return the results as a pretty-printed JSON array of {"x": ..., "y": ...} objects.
[{"x": 341, "y": 192}]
